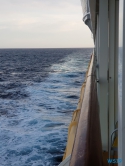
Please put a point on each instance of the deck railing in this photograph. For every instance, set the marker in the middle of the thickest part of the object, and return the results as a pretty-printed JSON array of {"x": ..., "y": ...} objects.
[{"x": 87, "y": 149}]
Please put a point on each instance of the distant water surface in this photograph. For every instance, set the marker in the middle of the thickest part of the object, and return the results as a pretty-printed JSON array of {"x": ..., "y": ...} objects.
[{"x": 39, "y": 90}]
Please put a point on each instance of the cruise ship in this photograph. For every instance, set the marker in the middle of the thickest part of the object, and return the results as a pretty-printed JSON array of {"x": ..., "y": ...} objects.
[{"x": 96, "y": 134}]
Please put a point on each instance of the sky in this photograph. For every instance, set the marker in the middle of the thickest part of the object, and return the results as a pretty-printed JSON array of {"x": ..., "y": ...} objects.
[{"x": 43, "y": 24}]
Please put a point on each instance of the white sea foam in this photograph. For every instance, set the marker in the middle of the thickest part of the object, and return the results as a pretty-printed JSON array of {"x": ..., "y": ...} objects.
[{"x": 34, "y": 131}]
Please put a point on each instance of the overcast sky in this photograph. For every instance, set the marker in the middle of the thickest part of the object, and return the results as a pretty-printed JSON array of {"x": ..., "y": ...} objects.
[{"x": 43, "y": 24}]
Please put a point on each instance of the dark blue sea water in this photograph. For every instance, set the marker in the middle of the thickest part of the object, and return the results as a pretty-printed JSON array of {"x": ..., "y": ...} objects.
[{"x": 39, "y": 90}]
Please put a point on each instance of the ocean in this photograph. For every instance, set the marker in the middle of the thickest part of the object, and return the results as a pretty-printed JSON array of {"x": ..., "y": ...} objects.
[{"x": 39, "y": 90}]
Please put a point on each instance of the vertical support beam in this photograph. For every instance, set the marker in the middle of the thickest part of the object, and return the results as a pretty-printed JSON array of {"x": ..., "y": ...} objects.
[
  {"x": 103, "y": 68},
  {"x": 121, "y": 112},
  {"x": 116, "y": 59},
  {"x": 111, "y": 78},
  {"x": 97, "y": 52},
  {"x": 97, "y": 39}
]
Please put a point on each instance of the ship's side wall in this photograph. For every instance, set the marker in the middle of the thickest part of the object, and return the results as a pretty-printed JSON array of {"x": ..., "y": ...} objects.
[
  {"x": 107, "y": 68},
  {"x": 102, "y": 70},
  {"x": 113, "y": 71},
  {"x": 104, "y": 20}
]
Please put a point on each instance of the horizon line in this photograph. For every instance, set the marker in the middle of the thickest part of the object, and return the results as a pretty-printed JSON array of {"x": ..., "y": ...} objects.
[{"x": 44, "y": 47}]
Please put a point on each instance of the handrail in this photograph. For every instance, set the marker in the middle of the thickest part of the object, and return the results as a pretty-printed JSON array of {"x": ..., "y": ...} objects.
[
  {"x": 87, "y": 149},
  {"x": 65, "y": 162}
]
